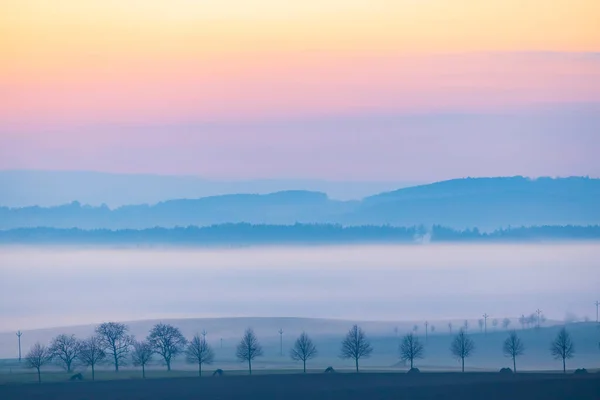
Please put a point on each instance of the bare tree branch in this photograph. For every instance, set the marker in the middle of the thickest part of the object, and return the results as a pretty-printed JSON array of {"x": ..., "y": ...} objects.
[
  {"x": 167, "y": 341},
  {"x": 38, "y": 356},
  {"x": 141, "y": 355},
  {"x": 462, "y": 347},
  {"x": 562, "y": 347},
  {"x": 513, "y": 347},
  {"x": 199, "y": 352},
  {"x": 116, "y": 341},
  {"x": 355, "y": 345},
  {"x": 92, "y": 353},
  {"x": 303, "y": 349},
  {"x": 66, "y": 349},
  {"x": 411, "y": 349},
  {"x": 249, "y": 348}
]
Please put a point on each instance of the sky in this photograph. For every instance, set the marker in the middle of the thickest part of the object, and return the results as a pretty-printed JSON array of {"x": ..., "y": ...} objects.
[{"x": 332, "y": 89}]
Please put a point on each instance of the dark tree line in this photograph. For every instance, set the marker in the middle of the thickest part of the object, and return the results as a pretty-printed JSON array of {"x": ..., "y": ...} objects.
[
  {"x": 113, "y": 344},
  {"x": 244, "y": 233}
]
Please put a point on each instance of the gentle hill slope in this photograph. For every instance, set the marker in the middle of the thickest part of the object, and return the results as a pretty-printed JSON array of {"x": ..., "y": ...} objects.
[{"x": 486, "y": 203}]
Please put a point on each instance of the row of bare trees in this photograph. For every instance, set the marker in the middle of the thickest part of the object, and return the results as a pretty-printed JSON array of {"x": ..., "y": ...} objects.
[
  {"x": 462, "y": 347},
  {"x": 112, "y": 343}
]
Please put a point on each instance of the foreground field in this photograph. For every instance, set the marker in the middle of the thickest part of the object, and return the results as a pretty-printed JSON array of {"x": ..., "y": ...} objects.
[{"x": 321, "y": 386}]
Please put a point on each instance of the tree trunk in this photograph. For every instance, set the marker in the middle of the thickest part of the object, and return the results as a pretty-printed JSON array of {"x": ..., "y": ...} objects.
[
  {"x": 356, "y": 365},
  {"x": 168, "y": 364},
  {"x": 304, "y": 366},
  {"x": 39, "y": 375},
  {"x": 116, "y": 362},
  {"x": 93, "y": 373},
  {"x": 411, "y": 363},
  {"x": 200, "y": 369},
  {"x": 564, "y": 366},
  {"x": 69, "y": 367},
  {"x": 514, "y": 365},
  {"x": 250, "y": 367},
  {"x": 143, "y": 371},
  {"x": 463, "y": 364}
]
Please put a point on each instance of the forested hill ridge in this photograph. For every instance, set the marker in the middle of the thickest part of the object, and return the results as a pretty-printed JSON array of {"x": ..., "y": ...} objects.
[
  {"x": 247, "y": 234},
  {"x": 486, "y": 203}
]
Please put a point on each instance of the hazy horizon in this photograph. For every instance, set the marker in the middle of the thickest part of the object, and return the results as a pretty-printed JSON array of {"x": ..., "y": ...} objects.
[{"x": 69, "y": 286}]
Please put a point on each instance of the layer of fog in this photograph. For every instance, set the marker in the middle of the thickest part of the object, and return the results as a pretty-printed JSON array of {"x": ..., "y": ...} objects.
[{"x": 45, "y": 287}]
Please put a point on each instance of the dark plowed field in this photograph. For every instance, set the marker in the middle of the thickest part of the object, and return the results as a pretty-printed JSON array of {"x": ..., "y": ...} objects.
[{"x": 320, "y": 386}]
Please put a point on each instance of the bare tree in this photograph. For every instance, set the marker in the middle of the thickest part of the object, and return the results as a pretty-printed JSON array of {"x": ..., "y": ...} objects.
[
  {"x": 432, "y": 328},
  {"x": 66, "y": 349},
  {"x": 466, "y": 325},
  {"x": 167, "y": 341},
  {"x": 141, "y": 355},
  {"x": 495, "y": 323},
  {"x": 505, "y": 323},
  {"x": 513, "y": 347},
  {"x": 37, "y": 357},
  {"x": 199, "y": 352},
  {"x": 450, "y": 327},
  {"x": 462, "y": 347},
  {"x": 411, "y": 349},
  {"x": 356, "y": 345},
  {"x": 303, "y": 350},
  {"x": 92, "y": 353},
  {"x": 480, "y": 323},
  {"x": 116, "y": 341},
  {"x": 249, "y": 348},
  {"x": 562, "y": 347}
]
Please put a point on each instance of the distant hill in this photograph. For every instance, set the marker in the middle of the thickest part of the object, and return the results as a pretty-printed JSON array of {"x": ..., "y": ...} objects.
[
  {"x": 53, "y": 188},
  {"x": 486, "y": 203}
]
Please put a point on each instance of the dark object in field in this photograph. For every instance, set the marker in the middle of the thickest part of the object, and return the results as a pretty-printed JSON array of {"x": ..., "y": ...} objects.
[
  {"x": 413, "y": 371},
  {"x": 330, "y": 370},
  {"x": 581, "y": 371},
  {"x": 506, "y": 371},
  {"x": 76, "y": 377},
  {"x": 218, "y": 372}
]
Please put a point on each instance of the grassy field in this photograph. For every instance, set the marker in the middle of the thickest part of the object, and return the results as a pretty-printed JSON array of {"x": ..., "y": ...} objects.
[{"x": 345, "y": 386}]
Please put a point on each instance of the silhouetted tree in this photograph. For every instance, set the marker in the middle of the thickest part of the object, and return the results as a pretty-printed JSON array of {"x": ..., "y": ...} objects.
[
  {"x": 167, "y": 341},
  {"x": 505, "y": 323},
  {"x": 356, "y": 345},
  {"x": 199, "y": 352},
  {"x": 513, "y": 347},
  {"x": 116, "y": 341},
  {"x": 66, "y": 349},
  {"x": 450, "y": 327},
  {"x": 249, "y": 348},
  {"x": 303, "y": 350},
  {"x": 411, "y": 349},
  {"x": 91, "y": 353},
  {"x": 562, "y": 347},
  {"x": 466, "y": 325},
  {"x": 141, "y": 355},
  {"x": 495, "y": 323},
  {"x": 480, "y": 323},
  {"x": 462, "y": 347},
  {"x": 432, "y": 328},
  {"x": 37, "y": 357}
]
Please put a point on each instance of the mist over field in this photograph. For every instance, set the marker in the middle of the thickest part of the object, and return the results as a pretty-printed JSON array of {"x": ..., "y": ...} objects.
[{"x": 58, "y": 286}]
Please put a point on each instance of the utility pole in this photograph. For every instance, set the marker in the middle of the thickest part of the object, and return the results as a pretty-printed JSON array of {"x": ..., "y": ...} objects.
[
  {"x": 597, "y": 304},
  {"x": 426, "y": 326},
  {"x": 19, "y": 334},
  {"x": 539, "y": 314},
  {"x": 485, "y": 317},
  {"x": 281, "y": 342}
]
